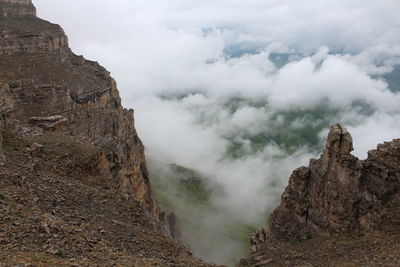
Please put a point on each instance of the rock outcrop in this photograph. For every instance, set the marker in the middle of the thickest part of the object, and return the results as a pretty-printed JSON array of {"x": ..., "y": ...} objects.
[
  {"x": 10, "y": 8},
  {"x": 174, "y": 226},
  {"x": 338, "y": 193},
  {"x": 257, "y": 239},
  {"x": 337, "y": 198},
  {"x": 50, "y": 87},
  {"x": 48, "y": 90},
  {"x": 74, "y": 185},
  {"x": 22, "y": 32}
]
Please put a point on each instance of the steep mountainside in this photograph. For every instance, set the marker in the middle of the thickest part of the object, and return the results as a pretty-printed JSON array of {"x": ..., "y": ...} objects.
[
  {"x": 75, "y": 190},
  {"x": 53, "y": 89},
  {"x": 339, "y": 211},
  {"x": 74, "y": 186}
]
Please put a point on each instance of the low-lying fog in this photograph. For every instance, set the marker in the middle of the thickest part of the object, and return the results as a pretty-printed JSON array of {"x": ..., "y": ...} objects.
[{"x": 231, "y": 96}]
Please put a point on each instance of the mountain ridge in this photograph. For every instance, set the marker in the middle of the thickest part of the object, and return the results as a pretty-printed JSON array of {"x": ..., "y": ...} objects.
[
  {"x": 75, "y": 190},
  {"x": 337, "y": 199},
  {"x": 74, "y": 184}
]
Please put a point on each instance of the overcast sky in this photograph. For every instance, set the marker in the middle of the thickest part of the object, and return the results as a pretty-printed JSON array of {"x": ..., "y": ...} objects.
[
  {"x": 161, "y": 47},
  {"x": 302, "y": 25},
  {"x": 210, "y": 50}
]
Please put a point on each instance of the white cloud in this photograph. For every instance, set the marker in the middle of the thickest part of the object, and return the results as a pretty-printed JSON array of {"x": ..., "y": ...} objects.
[
  {"x": 345, "y": 24},
  {"x": 339, "y": 49}
]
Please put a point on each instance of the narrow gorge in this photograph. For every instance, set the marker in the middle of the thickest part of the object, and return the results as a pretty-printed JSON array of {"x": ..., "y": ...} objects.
[{"x": 75, "y": 189}]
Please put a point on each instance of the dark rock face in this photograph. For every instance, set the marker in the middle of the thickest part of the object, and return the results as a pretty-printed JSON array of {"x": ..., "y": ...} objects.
[
  {"x": 338, "y": 193},
  {"x": 69, "y": 153},
  {"x": 174, "y": 227},
  {"x": 45, "y": 87},
  {"x": 17, "y": 8},
  {"x": 338, "y": 211}
]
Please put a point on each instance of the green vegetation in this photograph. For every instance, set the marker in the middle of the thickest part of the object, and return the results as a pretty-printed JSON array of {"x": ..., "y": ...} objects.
[
  {"x": 19, "y": 214},
  {"x": 234, "y": 103},
  {"x": 289, "y": 130},
  {"x": 190, "y": 194},
  {"x": 183, "y": 184},
  {"x": 186, "y": 192}
]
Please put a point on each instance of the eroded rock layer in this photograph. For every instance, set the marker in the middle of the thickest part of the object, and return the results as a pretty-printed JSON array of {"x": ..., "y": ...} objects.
[
  {"x": 10, "y": 8},
  {"x": 338, "y": 193},
  {"x": 336, "y": 199},
  {"x": 74, "y": 186},
  {"x": 49, "y": 87}
]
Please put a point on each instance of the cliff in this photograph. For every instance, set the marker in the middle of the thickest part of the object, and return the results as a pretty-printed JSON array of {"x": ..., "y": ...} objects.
[
  {"x": 73, "y": 172},
  {"x": 75, "y": 190},
  {"x": 11, "y": 8},
  {"x": 51, "y": 89},
  {"x": 339, "y": 210}
]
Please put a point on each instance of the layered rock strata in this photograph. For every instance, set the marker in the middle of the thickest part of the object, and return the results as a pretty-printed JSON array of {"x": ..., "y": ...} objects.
[
  {"x": 339, "y": 193},
  {"x": 48, "y": 90},
  {"x": 17, "y": 8},
  {"x": 74, "y": 185},
  {"x": 337, "y": 199}
]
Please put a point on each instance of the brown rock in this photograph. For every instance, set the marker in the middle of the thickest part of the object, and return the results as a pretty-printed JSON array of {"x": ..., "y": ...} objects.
[
  {"x": 47, "y": 123},
  {"x": 338, "y": 211},
  {"x": 256, "y": 239},
  {"x": 44, "y": 84},
  {"x": 74, "y": 185},
  {"x": 338, "y": 193},
  {"x": 9, "y": 8}
]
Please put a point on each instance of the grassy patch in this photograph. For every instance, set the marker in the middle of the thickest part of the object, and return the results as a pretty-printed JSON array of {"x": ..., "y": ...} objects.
[
  {"x": 204, "y": 225},
  {"x": 18, "y": 214},
  {"x": 18, "y": 240},
  {"x": 39, "y": 243}
]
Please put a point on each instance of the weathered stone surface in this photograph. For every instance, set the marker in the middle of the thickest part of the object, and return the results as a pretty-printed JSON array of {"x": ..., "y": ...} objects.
[
  {"x": 6, "y": 108},
  {"x": 10, "y": 8},
  {"x": 338, "y": 211},
  {"x": 48, "y": 123},
  {"x": 256, "y": 239},
  {"x": 71, "y": 160},
  {"x": 43, "y": 84},
  {"x": 338, "y": 193},
  {"x": 22, "y": 32},
  {"x": 174, "y": 226}
]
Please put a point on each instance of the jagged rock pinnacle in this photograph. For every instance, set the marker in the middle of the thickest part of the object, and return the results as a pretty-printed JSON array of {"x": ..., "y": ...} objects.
[
  {"x": 336, "y": 198},
  {"x": 338, "y": 193},
  {"x": 339, "y": 144}
]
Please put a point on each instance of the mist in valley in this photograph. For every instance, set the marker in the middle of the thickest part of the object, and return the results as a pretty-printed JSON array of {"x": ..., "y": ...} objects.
[{"x": 231, "y": 96}]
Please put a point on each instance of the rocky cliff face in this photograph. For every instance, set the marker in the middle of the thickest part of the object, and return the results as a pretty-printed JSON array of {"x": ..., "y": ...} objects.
[
  {"x": 338, "y": 193},
  {"x": 74, "y": 186},
  {"x": 335, "y": 199},
  {"x": 17, "y": 8},
  {"x": 46, "y": 90}
]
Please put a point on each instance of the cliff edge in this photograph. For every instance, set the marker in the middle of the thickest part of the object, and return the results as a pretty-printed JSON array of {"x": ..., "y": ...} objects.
[
  {"x": 51, "y": 89},
  {"x": 338, "y": 211},
  {"x": 74, "y": 186}
]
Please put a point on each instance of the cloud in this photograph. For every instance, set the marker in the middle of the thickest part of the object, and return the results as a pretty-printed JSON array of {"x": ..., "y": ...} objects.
[
  {"x": 208, "y": 95},
  {"x": 348, "y": 25}
]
